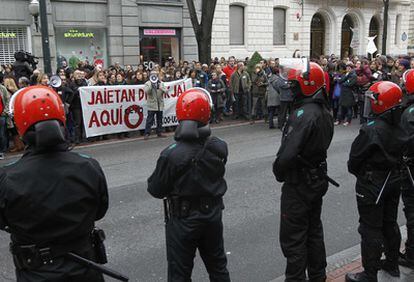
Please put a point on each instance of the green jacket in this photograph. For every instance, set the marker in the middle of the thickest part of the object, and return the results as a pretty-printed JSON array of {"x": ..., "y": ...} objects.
[
  {"x": 245, "y": 81},
  {"x": 155, "y": 97},
  {"x": 5, "y": 96}
]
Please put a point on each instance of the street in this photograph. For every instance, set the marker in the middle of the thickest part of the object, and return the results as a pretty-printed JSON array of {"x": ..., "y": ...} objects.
[{"x": 134, "y": 223}]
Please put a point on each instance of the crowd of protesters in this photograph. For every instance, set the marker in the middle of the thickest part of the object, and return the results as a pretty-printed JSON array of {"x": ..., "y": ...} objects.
[{"x": 238, "y": 93}]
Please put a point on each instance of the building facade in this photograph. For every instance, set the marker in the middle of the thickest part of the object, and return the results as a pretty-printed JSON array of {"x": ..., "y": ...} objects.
[{"x": 150, "y": 31}]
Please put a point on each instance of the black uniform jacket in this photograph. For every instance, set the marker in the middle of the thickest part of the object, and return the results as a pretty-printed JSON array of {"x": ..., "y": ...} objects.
[
  {"x": 179, "y": 174},
  {"x": 407, "y": 124},
  {"x": 51, "y": 198},
  {"x": 378, "y": 147},
  {"x": 308, "y": 133}
]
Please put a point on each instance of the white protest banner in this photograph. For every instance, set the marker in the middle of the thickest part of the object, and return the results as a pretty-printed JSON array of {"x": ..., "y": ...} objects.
[
  {"x": 371, "y": 47},
  {"x": 355, "y": 38},
  {"x": 114, "y": 109}
]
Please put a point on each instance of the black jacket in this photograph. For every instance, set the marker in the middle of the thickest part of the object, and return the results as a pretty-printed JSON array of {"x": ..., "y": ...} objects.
[
  {"x": 76, "y": 102},
  {"x": 176, "y": 174},
  {"x": 378, "y": 147},
  {"x": 22, "y": 69},
  {"x": 51, "y": 198},
  {"x": 308, "y": 133},
  {"x": 407, "y": 124}
]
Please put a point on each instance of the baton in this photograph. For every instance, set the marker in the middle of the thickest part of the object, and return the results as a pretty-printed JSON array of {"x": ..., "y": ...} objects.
[
  {"x": 383, "y": 188},
  {"x": 309, "y": 165},
  {"x": 98, "y": 267}
]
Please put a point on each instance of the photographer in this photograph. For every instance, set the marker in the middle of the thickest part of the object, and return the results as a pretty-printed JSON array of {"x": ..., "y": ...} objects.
[
  {"x": 155, "y": 104},
  {"x": 21, "y": 66}
]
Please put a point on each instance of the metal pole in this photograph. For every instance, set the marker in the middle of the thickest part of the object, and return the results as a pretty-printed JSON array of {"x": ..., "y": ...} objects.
[
  {"x": 385, "y": 29},
  {"x": 44, "y": 30}
]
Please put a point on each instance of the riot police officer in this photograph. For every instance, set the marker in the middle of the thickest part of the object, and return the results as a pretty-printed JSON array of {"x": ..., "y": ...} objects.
[
  {"x": 50, "y": 198},
  {"x": 407, "y": 192},
  {"x": 301, "y": 165},
  {"x": 375, "y": 160},
  {"x": 190, "y": 175}
]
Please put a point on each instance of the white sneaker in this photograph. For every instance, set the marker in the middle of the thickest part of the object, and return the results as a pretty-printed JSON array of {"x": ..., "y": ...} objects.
[
  {"x": 345, "y": 123},
  {"x": 1, "y": 156},
  {"x": 336, "y": 123}
]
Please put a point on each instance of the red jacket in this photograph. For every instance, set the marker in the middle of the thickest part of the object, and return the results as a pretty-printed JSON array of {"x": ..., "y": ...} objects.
[{"x": 229, "y": 71}]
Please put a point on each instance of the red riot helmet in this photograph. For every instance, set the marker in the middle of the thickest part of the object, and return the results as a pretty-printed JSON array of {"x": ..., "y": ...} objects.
[
  {"x": 408, "y": 79},
  {"x": 194, "y": 104},
  {"x": 309, "y": 76},
  {"x": 34, "y": 104},
  {"x": 382, "y": 96}
]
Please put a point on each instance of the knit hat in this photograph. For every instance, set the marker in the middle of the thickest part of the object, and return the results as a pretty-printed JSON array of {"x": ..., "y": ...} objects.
[{"x": 405, "y": 63}]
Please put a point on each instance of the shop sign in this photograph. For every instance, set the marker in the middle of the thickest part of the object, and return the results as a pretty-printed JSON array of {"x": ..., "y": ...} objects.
[
  {"x": 170, "y": 32},
  {"x": 8, "y": 35},
  {"x": 74, "y": 33}
]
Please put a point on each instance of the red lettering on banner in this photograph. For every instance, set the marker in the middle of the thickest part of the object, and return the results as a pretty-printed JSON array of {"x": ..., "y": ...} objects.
[
  {"x": 110, "y": 97},
  {"x": 124, "y": 96},
  {"x": 117, "y": 95},
  {"x": 131, "y": 95},
  {"x": 92, "y": 101},
  {"x": 106, "y": 121},
  {"x": 94, "y": 120},
  {"x": 116, "y": 116},
  {"x": 166, "y": 95},
  {"x": 98, "y": 98},
  {"x": 141, "y": 94}
]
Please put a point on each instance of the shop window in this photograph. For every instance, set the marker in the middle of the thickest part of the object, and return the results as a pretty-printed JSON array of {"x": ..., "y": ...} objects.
[
  {"x": 397, "y": 29},
  {"x": 80, "y": 44},
  {"x": 12, "y": 39},
  {"x": 279, "y": 26},
  {"x": 236, "y": 25},
  {"x": 158, "y": 45}
]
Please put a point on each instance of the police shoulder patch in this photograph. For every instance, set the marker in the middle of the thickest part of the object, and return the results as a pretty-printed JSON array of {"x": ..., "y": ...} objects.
[
  {"x": 11, "y": 163},
  {"x": 411, "y": 110},
  {"x": 300, "y": 112},
  {"x": 172, "y": 146},
  {"x": 84, "y": 156},
  {"x": 372, "y": 122}
]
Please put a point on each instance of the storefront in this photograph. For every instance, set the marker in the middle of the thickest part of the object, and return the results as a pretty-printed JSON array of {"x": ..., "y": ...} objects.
[
  {"x": 12, "y": 39},
  {"x": 80, "y": 44},
  {"x": 157, "y": 45}
]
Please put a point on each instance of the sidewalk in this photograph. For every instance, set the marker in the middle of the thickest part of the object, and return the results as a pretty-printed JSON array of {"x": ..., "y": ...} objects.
[{"x": 338, "y": 275}]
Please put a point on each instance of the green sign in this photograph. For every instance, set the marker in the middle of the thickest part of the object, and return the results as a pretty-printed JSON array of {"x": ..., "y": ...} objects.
[
  {"x": 74, "y": 33},
  {"x": 8, "y": 35}
]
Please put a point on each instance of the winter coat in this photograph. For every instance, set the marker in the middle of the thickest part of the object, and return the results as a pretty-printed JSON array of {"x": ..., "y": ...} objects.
[
  {"x": 217, "y": 90},
  {"x": 348, "y": 83},
  {"x": 283, "y": 88},
  {"x": 155, "y": 97},
  {"x": 272, "y": 94},
  {"x": 259, "y": 82},
  {"x": 245, "y": 81}
]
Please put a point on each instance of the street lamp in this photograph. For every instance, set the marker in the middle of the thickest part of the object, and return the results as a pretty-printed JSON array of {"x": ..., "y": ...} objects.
[{"x": 34, "y": 10}]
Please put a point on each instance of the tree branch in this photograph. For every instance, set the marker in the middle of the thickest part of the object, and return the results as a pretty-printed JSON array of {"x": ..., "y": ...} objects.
[
  {"x": 193, "y": 18},
  {"x": 207, "y": 12}
]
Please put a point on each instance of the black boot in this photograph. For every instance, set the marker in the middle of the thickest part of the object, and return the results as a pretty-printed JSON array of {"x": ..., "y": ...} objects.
[
  {"x": 360, "y": 277},
  {"x": 390, "y": 267},
  {"x": 406, "y": 259}
]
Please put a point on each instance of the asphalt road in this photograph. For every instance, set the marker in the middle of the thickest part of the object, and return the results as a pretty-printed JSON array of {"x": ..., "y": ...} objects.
[{"x": 134, "y": 222}]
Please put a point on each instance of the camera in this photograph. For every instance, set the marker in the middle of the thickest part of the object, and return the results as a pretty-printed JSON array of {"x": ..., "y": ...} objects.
[{"x": 24, "y": 56}]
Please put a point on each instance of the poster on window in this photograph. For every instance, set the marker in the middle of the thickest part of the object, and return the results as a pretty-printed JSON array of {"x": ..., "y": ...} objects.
[
  {"x": 81, "y": 44},
  {"x": 122, "y": 108}
]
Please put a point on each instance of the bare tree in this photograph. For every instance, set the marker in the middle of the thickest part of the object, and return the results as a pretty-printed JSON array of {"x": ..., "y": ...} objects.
[
  {"x": 385, "y": 30},
  {"x": 203, "y": 28}
]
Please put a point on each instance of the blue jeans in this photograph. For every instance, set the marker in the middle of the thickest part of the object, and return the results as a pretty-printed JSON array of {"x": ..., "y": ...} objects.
[
  {"x": 4, "y": 142},
  {"x": 150, "y": 120}
]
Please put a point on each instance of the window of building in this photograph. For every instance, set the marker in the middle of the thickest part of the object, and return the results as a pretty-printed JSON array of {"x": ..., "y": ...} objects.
[
  {"x": 80, "y": 44},
  {"x": 236, "y": 25},
  {"x": 397, "y": 30},
  {"x": 12, "y": 39},
  {"x": 279, "y": 26}
]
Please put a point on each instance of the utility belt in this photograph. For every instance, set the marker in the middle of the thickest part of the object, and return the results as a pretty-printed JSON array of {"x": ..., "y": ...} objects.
[
  {"x": 308, "y": 175},
  {"x": 182, "y": 206},
  {"x": 31, "y": 257}
]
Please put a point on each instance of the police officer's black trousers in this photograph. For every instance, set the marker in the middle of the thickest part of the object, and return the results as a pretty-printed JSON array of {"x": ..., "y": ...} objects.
[
  {"x": 408, "y": 199},
  {"x": 202, "y": 231},
  {"x": 301, "y": 231},
  {"x": 378, "y": 225}
]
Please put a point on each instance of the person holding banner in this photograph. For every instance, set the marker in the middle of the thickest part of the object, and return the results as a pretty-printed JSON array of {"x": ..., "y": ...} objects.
[{"x": 155, "y": 104}]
